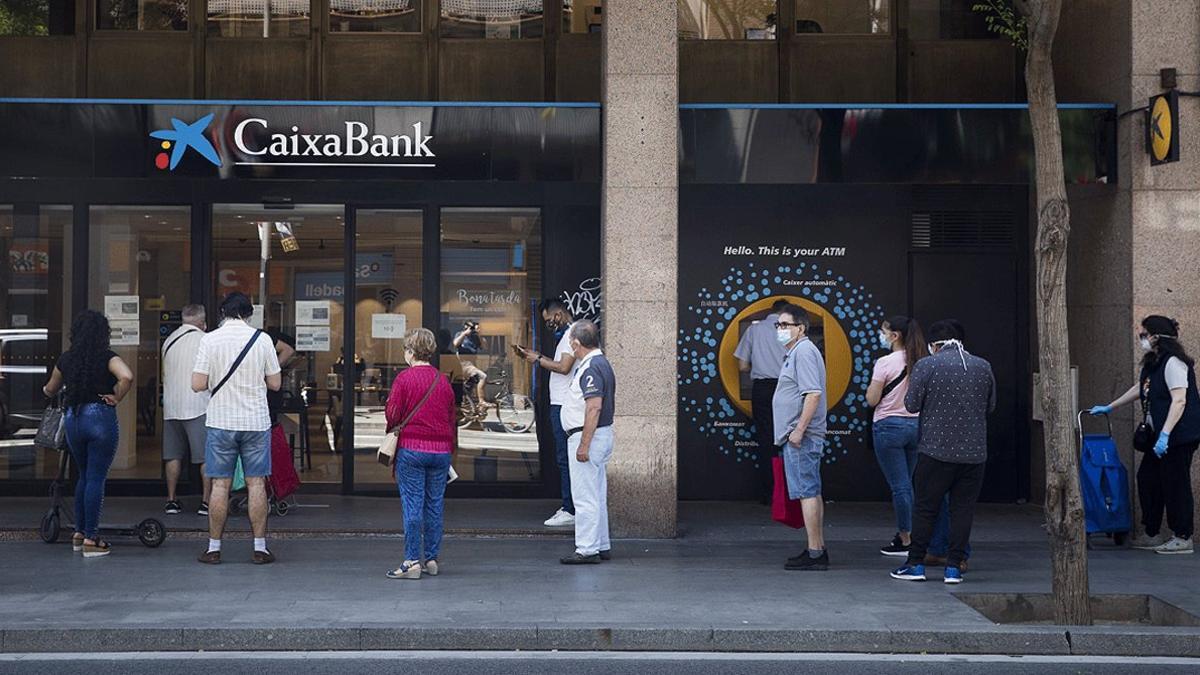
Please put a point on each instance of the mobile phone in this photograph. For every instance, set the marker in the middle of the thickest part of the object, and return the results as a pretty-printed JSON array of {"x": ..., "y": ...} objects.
[{"x": 519, "y": 350}]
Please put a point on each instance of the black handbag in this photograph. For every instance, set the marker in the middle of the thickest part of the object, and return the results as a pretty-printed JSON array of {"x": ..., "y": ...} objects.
[
  {"x": 1144, "y": 436},
  {"x": 52, "y": 430}
]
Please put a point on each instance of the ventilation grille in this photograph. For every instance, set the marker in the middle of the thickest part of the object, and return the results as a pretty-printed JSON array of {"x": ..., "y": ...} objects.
[{"x": 964, "y": 230}]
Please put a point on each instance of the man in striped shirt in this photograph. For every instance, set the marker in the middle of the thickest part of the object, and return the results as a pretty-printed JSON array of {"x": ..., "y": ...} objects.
[
  {"x": 239, "y": 423},
  {"x": 183, "y": 408}
]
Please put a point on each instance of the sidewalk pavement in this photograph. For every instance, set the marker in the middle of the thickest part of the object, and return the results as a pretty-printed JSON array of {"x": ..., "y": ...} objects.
[{"x": 720, "y": 586}]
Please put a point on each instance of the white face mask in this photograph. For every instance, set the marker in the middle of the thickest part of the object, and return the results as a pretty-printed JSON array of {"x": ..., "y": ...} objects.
[
  {"x": 784, "y": 335},
  {"x": 885, "y": 341},
  {"x": 1145, "y": 344}
]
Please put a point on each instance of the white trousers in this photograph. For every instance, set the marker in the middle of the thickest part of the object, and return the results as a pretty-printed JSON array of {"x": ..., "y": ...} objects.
[{"x": 589, "y": 491}]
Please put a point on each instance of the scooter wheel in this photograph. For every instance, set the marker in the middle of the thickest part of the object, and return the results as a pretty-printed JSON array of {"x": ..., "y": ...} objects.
[
  {"x": 281, "y": 508},
  {"x": 151, "y": 532},
  {"x": 50, "y": 528}
]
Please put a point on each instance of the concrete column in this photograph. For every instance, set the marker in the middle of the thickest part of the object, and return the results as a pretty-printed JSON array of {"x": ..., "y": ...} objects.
[
  {"x": 1165, "y": 200},
  {"x": 638, "y": 241}
]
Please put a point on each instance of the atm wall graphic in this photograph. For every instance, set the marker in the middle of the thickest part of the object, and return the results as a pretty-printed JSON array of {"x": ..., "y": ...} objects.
[{"x": 851, "y": 255}]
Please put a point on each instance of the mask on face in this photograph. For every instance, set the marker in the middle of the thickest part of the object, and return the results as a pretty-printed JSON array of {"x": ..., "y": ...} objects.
[
  {"x": 783, "y": 335},
  {"x": 1145, "y": 344},
  {"x": 884, "y": 341}
]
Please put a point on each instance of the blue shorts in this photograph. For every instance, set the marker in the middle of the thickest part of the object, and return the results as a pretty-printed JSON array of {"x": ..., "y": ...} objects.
[
  {"x": 802, "y": 467},
  {"x": 222, "y": 448}
]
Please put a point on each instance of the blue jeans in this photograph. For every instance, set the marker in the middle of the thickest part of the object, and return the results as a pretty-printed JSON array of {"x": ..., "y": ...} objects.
[
  {"x": 92, "y": 434},
  {"x": 222, "y": 448},
  {"x": 560, "y": 455},
  {"x": 802, "y": 467},
  {"x": 896, "y": 451},
  {"x": 421, "y": 477}
]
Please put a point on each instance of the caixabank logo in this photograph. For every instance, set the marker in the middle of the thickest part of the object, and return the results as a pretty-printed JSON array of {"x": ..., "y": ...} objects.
[{"x": 179, "y": 138}]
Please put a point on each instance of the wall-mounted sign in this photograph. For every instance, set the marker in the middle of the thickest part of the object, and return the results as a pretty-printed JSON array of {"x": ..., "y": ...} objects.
[
  {"x": 290, "y": 146},
  {"x": 124, "y": 333},
  {"x": 320, "y": 285},
  {"x": 1162, "y": 129},
  {"x": 312, "y": 312},
  {"x": 312, "y": 338},
  {"x": 121, "y": 307},
  {"x": 388, "y": 326}
]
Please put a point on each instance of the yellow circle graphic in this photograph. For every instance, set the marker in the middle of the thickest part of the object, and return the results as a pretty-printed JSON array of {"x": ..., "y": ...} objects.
[
  {"x": 825, "y": 331},
  {"x": 166, "y": 145},
  {"x": 1160, "y": 128}
]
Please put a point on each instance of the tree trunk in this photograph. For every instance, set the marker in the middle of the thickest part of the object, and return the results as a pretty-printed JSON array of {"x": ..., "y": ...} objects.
[{"x": 1064, "y": 506}]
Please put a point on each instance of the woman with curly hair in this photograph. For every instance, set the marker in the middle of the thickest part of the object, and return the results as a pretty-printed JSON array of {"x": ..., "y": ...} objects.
[{"x": 95, "y": 380}]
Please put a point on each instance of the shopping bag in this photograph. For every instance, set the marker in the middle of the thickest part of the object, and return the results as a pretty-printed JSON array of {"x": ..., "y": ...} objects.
[
  {"x": 239, "y": 476},
  {"x": 284, "y": 479},
  {"x": 784, "y": 510}
]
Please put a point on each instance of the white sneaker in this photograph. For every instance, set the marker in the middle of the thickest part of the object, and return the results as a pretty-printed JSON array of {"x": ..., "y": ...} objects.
[
  {"x": 1175, "y": 546},
  {"x": 560, "y": 519},
  {"x": 1144, "y": 543}
]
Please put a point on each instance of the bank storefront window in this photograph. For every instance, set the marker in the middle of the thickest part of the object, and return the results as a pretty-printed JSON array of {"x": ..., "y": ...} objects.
[
  {"x": 583, "y": 16},
  {"x": 843, "y": 17},
  {"x": 142, "y": 14},
  {"x": 375, "y": 16},
  {"x": 947, "y": 20},
  {"x": 491, "y": 19},
  {"x": 491, "y": 273},
  {"x": 139, "y": 272},
  {"x": 35, "y": 317},
  {"x": 258, "y": 18},
  {"x": 727, "y": 19},
  {"x": 37, "y": 17},
  {"x": 388, "y": 278}
]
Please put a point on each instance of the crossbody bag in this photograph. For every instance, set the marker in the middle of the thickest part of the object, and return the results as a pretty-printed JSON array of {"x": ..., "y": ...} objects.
[{"x": 237, "y": 362}]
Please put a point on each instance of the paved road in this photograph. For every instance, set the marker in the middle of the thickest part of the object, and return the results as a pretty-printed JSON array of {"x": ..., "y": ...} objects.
[{"x": 576, "y": 663}]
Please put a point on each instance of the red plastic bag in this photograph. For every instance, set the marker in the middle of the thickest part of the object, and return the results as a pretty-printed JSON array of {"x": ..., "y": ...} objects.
[
  {"x": 284, "y": 479},
  {"x": 784, "y": 510}
]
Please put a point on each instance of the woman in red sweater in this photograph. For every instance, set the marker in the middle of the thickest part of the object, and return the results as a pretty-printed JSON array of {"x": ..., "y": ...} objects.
[{"x": 423, "y": 452}]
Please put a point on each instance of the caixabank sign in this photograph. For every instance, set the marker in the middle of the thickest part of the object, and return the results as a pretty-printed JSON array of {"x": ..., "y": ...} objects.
[{"x": 171, "y": 140}]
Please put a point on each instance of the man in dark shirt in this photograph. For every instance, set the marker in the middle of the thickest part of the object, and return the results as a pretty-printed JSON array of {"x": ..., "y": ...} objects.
[
  {"x": 587, "y": 416},
  {"x": 953, "y": 391}
]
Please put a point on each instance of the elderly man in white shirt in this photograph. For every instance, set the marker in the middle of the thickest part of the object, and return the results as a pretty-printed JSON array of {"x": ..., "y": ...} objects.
[
  {"x": 237, "y": 364},
  {"x": 183, "y": 409}
]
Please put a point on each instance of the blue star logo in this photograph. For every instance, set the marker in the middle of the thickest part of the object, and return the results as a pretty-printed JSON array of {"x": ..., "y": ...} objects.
[{"x": 185, "y": 136}]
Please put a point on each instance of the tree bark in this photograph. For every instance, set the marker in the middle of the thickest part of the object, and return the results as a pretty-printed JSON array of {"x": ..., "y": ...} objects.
[{"x": 1064, "y": 506}]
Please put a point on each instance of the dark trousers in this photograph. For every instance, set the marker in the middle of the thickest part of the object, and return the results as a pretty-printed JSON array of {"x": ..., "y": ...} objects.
[
  {"x": 560, "y": 457},
  {"x": 932, "y": 481},
  {"x": 761, "y": 394},
  {"x": 1165, "y": 483}
]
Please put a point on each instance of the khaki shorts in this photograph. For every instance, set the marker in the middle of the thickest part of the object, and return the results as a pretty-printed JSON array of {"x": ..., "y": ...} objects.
[{"x": 180, "y": 436}]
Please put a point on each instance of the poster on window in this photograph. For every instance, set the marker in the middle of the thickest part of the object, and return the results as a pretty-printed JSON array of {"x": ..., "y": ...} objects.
[
  {"x": 388, "y": 326},
  {"x": 312, "y": 338},
  {"x": 124, "y": 333},
  {"x": 121, "y": 307},
  {"x": 312, "y": 312}
]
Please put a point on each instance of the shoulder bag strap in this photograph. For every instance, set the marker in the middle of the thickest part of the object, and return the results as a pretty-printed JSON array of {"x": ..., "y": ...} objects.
[
  {"x": 177, "y": 339},
  {"x": 891, "y": 386},
  {"x": 411, "y": 413},
  {"x": 237, "y": 362}
]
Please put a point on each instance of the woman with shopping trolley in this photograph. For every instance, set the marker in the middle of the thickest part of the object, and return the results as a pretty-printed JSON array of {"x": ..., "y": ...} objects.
[{"x": 1168, "y": 434}]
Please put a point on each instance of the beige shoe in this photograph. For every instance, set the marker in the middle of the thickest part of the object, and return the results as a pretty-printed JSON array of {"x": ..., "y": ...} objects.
[
  {"x": 1145, "y": 543},
  {"x": 1175, "y": 546},
  {"x": 409, "y": 569},
  {"x": 96, "y": 550},
  {"x": 431, "y": 568}
]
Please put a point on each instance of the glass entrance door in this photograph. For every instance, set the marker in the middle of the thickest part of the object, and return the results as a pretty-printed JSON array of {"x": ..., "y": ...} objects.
[{"x": 291, "y": 262}]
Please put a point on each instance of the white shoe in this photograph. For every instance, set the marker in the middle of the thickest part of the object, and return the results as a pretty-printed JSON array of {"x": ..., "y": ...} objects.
[
  {"x": 1144, "y": 543},
  {"x": 1175, "y": 546},
  {"x": 560, "y": 519}
]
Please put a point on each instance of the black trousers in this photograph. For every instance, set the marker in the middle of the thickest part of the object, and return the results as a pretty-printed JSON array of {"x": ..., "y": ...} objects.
[
  {"x": 932, "y": 480},
  {"x": 1165, "y": 483},
  {"x": 761, "y": 394}
]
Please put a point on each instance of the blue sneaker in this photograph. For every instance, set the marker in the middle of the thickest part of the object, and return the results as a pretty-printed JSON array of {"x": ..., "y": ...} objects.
[
  {"x": 909, "y": 573},
  {"x": 952, "y": 575}
]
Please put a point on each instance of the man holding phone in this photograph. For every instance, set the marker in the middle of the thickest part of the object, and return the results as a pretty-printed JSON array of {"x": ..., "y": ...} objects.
[{"x": 558, "y": 320}]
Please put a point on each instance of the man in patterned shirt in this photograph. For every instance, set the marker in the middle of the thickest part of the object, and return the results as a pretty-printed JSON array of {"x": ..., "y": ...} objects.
[{"x": 953, "y": 391}]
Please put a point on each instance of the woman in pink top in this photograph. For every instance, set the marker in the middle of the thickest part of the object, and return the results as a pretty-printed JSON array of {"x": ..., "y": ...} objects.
[
  {"x": 424, "y": 451},
  {"x": 895, "y": 430}
]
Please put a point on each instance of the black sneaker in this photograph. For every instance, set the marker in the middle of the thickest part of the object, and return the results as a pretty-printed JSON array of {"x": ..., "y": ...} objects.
[
  {"x": 173, "y": 507},
  {"x": 203, "y": 510},
  {"x": 807, "y": 563},
  {"x": 896, "y": 548}
]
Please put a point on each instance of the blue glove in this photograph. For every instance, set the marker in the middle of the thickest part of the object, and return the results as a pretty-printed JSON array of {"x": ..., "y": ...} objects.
[
  {"x": 1100, "y": 410},
  {"x": 1160, "y": 448}
]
